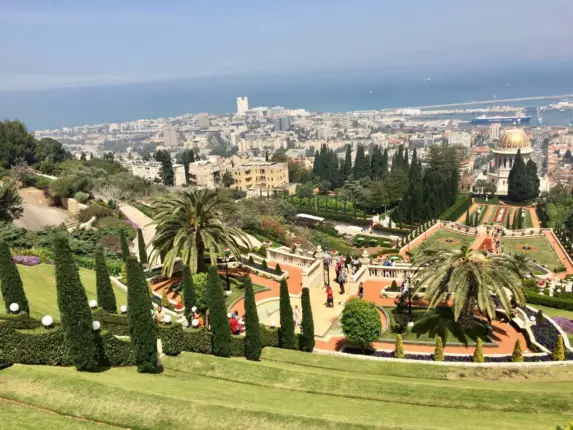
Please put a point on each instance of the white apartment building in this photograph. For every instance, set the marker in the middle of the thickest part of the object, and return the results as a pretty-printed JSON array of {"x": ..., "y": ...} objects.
[
  {"x": 494, "y": 131},
  {"x": 147, "y": 170},
  {"x": 460, "y": 138},
  {"x": 242, "y": 105},
  {"x": 171, "y": 136}
]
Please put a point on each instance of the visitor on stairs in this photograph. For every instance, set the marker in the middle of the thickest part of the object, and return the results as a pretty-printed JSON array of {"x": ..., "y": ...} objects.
[
  {"x": 342, "y": 278},
  {"x": 296, "y": 316},
  {"x": 329, "y": 297},
  {"x": 361, "y": 290}
]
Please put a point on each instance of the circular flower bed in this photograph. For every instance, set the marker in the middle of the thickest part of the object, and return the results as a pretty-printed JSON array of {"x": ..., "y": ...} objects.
[{"x": 26, "y": 260}]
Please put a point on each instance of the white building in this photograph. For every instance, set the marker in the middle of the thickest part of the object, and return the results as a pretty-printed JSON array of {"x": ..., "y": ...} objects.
[
  {"x": 460, "y": 138},
  {"x": 170, "y": 136},
  {"x": 494, "y": 131},
  {"x": 149, "y": 170},
  {"x": 505, "y": 151},
  {"x": 242, "y": 105}
]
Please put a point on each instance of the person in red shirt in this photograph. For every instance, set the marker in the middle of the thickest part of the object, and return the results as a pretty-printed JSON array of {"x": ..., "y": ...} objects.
[
  {"x": 235, "y": 326},
  {"x": 329, "y": 297}
]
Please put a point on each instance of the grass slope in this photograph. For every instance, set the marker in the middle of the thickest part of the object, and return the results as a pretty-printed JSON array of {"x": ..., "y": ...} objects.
[
  {"x": 289, "y": 389},
  {"x": 40, "y": 286},
  {"x": 541, "y": 252}
]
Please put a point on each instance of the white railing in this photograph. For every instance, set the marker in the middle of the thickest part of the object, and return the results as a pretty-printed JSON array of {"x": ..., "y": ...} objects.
[
  {"x": 398, "y": 271},
  {"x": 312, "y": 276},
  {"x": 283, "y": 255}
]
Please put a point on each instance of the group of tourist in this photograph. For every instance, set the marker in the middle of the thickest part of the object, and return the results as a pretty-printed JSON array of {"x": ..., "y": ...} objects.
[{"x": 330, "y": 294}]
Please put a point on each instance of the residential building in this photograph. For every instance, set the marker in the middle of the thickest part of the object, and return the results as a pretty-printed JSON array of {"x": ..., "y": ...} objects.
[
  {"x": 494, "y": 131},
  {"x": 262, "y": 175},
  {"x": 460, "y": 138},
  {"x": 282, "y": 123},
  {"x": 171, "y": 136},
  {"x": 203, "y": 121},
  {"x": 204, "y": 174},
  {"x": 242, "y": 105},
  {"x": 147, "y": 170}
]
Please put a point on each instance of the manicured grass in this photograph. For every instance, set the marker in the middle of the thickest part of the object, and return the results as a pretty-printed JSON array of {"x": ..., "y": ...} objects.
[
  {"x": 527, "y": 223},
  {"x": 541, "y": 251},
  {"x": 490, "y": 201},
  {"x": 293, "y": 390},
  {"x": 40, "y": 287},
  {"x": 238, "y": 292},
  {"x": 440, "y": 237},
  {"x": 552, "y": 312}
]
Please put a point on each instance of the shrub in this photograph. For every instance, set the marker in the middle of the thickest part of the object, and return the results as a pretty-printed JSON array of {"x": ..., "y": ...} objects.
[
  {"x": 399, "y": 347},
  {"x": 81, "y": 197},
  {"x": 171, "y": 339},
  {"x": 26, "y": 260},
  {"x": 463, "y": 202},
  {"x": 105, "y": 295},
  {"x": 75, "y": 313},
  {"x": 94, "y": 210},
  {"x": 197, "y": 340},
  {"x": 220, "y": 326},
  {"x": 478, "y": 352},
  {"x": 142, "y": 330},
  {"x": 552, "y": 302},
  {"x": 278, "y": 269},
  {"x": 286, "y": 331},
  {"x": 264, "y": 264},
  {"x": 439, "y": 351},
  {"x": 141, "y": 247},
  {"x": 251, "y": 260},
  {"x": 269, "y": 336},
  {"x": 558, "y": 350},
  {"x": 189, "y": 295},
  {"x": 237, "y": 346},
  {"x": 124, "y": 274},
  {"x": 307, "y": 325},
  {"x": 253, "y": 346},
  {"x": 361, "y": 322},
  {"x": 164, "y": 299},
  {"x": 517, "y": 355},
  {"x": 10, "y": 282},
  {"x": 124, "y": 245}
]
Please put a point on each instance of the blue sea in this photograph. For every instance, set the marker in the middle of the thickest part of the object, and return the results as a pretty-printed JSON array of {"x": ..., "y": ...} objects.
[{"x": 319, "y": 92}]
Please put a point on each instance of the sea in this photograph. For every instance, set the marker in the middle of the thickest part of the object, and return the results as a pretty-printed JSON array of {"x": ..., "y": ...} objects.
[{"x": 317, "y": 92}]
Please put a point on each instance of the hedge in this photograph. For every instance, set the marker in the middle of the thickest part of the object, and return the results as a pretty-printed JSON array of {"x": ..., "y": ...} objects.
[
  {"x": 336, "y": 216},
  {"x": 551, "y": 302},
  {"x": 171, "y": 338},
  {"x": 462, "y": 204},
  {"x": 21, "y": 321},
  {"x": 114, "y": 323},
  {"x": 397, "y": 231}
]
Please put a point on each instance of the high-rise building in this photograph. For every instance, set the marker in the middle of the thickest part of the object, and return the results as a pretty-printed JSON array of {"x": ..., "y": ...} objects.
[
  {"x": 171, "y": 136},
  {"x": 494, "y": 131},
  {"x": 282, "y": 123},
  {"x": 242, "y": 105},
  {"x": 203, "y": 120}
]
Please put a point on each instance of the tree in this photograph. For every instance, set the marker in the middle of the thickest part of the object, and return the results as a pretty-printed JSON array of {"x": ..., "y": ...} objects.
[
  {"x": 166, "y": 171},
  {"x": 439, "y": 351},
  {"x": 399, "y": 347},
  {"x": 361, "y": 322},
  {"x": 190, "y": 225},
  {"x": 105, "y": 295},
  {"x": 189, "y": 293},
  {"x": 228, "y": 179},
  {"x": 220, "y": 327},
  {"x": 253, "y": 346},
  {"x": 468, "y": 216},
  {"x": 50, "y": 150},
  {"x": 307, "y": 324},
  {"x": 75, "y": 313},
  {"x": 141, "y": 247},
  {"x": 558, "y": 353},
  {"x": 361, "y": 164},
  {"x": 532, "y": 179},
  {"x": 124, "y": 245},
  {"x": 473, "y": 277},
  {"x": 142, "y": 329},
  {"x": 519, "y": 187},
  {"x": 10, "y": 282},
  {"x": 517, "y": 355},
  {"x": 478, "y": 352},
  {"x": 347, "y": 163},
  {"x": 10, "y": 201},
  {"x": 286, "y": 332},
  {"x": 16, "y": 143}
]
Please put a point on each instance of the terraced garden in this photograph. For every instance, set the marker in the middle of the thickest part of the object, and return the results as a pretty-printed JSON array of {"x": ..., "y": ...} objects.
[{"x": 537, "y": 248}]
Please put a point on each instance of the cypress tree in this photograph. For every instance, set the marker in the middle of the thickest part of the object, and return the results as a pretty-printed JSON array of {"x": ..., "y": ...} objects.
[
  {"x": 189, "y": 294},
  {"x": 517, "y": 355},
  {"x": 478, "y": 352},
  {"x": 142, "y": 329},
  {"x": 348, "y": 162},
  {"x": 516, "y": 214},
  {"x": 307, "y": 324},
  {"x": 361, "y": 164},
  {"x": 105, "y": 295},
  {"x": 253, "y": 346},
  {"x": 385, "y": 163},
  {"x": 10, "y": 281},
  {"x": 75, "y": 313},
  {"x": 439, "y": 350},
  {"x": 220, "y": 327},
  {"x": 286, "y": 332},
  {"x": 399, "y": 348},
  {"x": 141, "y": 247},
  {"x": 520, "y": 220},
  {"x": 124, "y": 245},
  {"x": 558, "y": 353},
  {"x": 467, "y": 217},
  {"x": 507, "y": 216},
  {"x": 532, "y": 179},
  {"x": 518, "y": 186}
]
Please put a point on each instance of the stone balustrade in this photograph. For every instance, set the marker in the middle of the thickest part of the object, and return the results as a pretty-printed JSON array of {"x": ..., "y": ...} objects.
[
  {"x": 312, "y": 275},
  {"x": 283, "y": 255},
  {"x": 398, "y": 271}
]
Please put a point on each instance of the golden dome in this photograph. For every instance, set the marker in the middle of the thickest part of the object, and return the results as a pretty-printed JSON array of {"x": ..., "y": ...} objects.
[{"x": 514, "y": 139}]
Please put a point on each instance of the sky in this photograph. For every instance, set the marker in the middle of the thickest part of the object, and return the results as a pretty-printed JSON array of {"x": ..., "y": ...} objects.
[{"x": 61, "y": 43}]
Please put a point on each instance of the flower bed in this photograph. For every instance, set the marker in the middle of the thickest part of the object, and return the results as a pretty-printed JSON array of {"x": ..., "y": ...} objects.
[
  {"x": 564, "y": 323},
  {"x": 26, "y": 260}
]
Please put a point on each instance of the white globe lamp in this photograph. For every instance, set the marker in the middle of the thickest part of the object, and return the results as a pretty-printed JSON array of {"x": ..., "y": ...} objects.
[
  {"x": 14, "y": 308},
  {"x": 273, "y": 325},
  {"x": 167, "y": 319},
  {"x": 47, "y": 321},
  {"x": 123, "y": 309},
  {"x": 96, "y": 325},
  {"x": 93, "y": 304}
]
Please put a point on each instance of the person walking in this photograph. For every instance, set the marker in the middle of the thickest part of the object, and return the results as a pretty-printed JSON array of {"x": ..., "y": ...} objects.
[
  {"x": 329, "y": 297},
  {"x": 361, "y": 290},
  {"x": 342, "y": 278},
  {"x": 326, "y": 260},
  {"x": 296, "y": 316}
]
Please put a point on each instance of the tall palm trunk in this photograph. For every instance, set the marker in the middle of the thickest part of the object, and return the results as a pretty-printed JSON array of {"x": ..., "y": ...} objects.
[
  {"x": 201, "y": 266},
  {"x": 466, "y": 318}
]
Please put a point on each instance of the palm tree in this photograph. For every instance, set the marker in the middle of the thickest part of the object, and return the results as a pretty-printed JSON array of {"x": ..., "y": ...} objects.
[
  {"x": 10, "y": 201},
  {"x": 472, "y": 277},
  {"x": 190, "y": 225}
]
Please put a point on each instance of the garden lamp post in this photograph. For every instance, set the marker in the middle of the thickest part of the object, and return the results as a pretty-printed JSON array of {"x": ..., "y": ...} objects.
[
  {"x": 227, "y": 253},
  {"x": 409, "y": 284}
]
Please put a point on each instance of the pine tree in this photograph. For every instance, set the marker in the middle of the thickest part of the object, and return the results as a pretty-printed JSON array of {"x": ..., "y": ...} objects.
[
  {"x": 286, "y": 332},
  {"x": 141, "y": 247},
  {"x": 478, "y": 352},
  {"x": 507, "y": 216},
  {"x": 348, "y": 162},
  {"x": 399, "y": 348},
  {"x": 189, "y": 294},
  {"x": 558, "y": 350},
  {"x": 439, "y": 351},
  {"x": 278, "y": 269},
  {"x": 142, "y": 329},
  {"x": 520, "y": 219},
  {"x": 10, "y": 282},
  {"x": 385, "y": 163},
  {"x": 75, "y": 313},
  {"x": 307, "y": 324},
  {"x": 518, "y": 188},
  {"x": 532, "y": 179},
  {"x": 220, "y": 327},
  {"x": 361, "y": 164},
  {"x": 253, "y": 345},
  {"x": 124, "y": 244},
  {"x": 516, "y": 216},
  {"x": 105, "y": 295},
  {"x": 517, "y": 355},
  {"x": 468, "y": 217}
]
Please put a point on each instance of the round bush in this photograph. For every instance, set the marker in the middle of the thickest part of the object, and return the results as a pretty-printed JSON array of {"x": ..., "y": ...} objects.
[{"x": 361, "y": 322}]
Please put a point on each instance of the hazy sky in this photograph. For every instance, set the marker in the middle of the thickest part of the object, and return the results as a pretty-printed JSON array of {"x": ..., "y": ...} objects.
[{"x": 53, "y": 43}]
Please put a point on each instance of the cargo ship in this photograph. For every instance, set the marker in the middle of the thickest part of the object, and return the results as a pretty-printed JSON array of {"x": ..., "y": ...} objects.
[{"x": 501, "y": 119}]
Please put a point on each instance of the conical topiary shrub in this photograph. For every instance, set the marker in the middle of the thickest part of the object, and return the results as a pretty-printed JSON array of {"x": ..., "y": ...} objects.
[
  {"x": 189, "y": 293},
  {"x": 220, "y": 327},
  {"x": 124, "y": 244},
  {"x": 278, "y": 270},
  {"x": 10, "y": 282},
  {"x": 286, "y": 331},
  {"x": 307, "y": 324},
  {"x": 142, "y": 329},
  {"x": 517, "y": 355},
  {"x": 559, "y": 350},
  {"x": 253, "y": 347},
  {"x": 478, "y": 353},
  {"x": 439, "y": 351},
  {"x": 399, "y": 348},
  {"x": 105, "y": 296},
  {"x": 75, "y": 313},
  {"x": 141, "y": 247}
]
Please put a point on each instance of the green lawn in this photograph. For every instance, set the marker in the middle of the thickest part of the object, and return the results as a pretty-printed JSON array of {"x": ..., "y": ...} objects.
[
  {"x": 541, "y": 251},
  {"x": 40, "y": 287},
  {"x": 288, "y": 390},
  {"x": 441, "y": 236}
]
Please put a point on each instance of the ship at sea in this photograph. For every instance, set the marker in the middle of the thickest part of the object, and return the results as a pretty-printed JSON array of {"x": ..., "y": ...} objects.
[{"x": 519, "y": 119}]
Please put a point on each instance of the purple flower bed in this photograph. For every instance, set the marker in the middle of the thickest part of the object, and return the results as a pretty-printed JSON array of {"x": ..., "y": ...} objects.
[
  {"x": 564, "y": 323},
  {"x": 132, "y": 224},
  {"x": 26, "y": 260}
]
